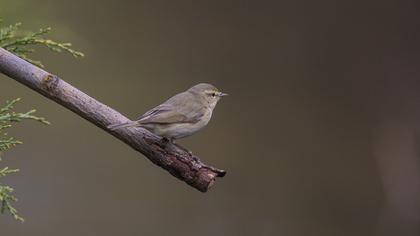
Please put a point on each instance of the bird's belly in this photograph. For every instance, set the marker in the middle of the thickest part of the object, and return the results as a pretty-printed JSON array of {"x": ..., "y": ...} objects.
[{"x": 176, "y": 131}]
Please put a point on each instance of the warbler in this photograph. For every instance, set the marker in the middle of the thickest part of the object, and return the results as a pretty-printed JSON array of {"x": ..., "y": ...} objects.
[{"x": 181, "y": 115}]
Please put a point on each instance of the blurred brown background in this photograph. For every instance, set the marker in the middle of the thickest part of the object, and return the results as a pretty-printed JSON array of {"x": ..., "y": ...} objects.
[{"x": 319, "y": 135}]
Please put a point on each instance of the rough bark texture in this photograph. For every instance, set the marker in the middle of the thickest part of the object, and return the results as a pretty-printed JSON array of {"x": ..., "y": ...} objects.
[{"x": 176, "y": 160}]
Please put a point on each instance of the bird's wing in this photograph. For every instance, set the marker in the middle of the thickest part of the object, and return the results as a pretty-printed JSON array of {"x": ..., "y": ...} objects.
[{"x": 170, "y": 113}]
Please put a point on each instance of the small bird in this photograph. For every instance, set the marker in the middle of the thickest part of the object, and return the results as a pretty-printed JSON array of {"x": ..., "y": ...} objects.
[{"x": 180, "y": 116}]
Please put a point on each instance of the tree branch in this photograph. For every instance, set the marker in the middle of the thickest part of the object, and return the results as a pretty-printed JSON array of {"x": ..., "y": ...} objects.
[{"x": 173, "y": 158}]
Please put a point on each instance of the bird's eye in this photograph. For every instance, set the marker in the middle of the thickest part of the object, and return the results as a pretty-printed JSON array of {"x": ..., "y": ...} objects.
[{"x": 213, "y": 94}]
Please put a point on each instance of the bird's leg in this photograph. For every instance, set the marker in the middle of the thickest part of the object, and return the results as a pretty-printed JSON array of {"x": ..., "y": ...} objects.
[{"x": 167, "y": 141}]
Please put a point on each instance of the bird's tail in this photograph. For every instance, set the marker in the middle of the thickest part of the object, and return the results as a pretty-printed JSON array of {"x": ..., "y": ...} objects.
[{"x": 123, "y": 125}]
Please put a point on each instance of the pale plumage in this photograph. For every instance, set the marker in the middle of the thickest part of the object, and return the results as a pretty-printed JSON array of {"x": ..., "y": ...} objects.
[{"x": 181, "y": 115}]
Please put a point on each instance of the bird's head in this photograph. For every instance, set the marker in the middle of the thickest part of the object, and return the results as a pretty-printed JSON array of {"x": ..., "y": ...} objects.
[{"x": 208, "y": 93}]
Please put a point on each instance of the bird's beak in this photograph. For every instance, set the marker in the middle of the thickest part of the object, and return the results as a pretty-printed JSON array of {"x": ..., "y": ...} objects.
[{"x": 223, "y": 94}]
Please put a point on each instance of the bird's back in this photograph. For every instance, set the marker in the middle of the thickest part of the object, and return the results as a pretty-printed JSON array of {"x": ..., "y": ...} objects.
[{"x": 181, "y": 108}]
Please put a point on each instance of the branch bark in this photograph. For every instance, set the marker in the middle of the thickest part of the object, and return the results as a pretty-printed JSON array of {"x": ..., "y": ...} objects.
[{"x": 175, "y": 159}]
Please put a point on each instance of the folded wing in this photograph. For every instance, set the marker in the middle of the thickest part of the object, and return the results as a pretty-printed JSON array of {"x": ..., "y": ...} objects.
[{"x": 172, "y": 112}]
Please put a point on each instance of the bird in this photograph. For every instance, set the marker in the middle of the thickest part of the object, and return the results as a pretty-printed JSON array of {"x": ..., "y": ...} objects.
[{"x": 181, "y": 115}]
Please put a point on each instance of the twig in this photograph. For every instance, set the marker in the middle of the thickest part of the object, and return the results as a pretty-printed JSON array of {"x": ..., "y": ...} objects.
[{"x": 177, "y": 161}]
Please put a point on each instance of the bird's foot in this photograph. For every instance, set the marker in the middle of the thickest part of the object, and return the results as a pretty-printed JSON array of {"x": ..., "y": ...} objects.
[{"x": 165, "y": 140}]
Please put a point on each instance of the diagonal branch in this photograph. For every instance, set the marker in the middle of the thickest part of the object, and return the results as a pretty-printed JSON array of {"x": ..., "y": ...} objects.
[{"x": 173, "y": 158}]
